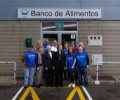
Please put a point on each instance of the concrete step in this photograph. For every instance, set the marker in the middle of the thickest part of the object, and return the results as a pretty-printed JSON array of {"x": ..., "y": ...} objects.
[{"x": 114, "y": 80}]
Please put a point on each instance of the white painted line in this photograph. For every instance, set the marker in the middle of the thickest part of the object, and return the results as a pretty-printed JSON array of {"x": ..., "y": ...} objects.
[
  {"x": 86, "y": 92},
  {"x": 16, "y": 95}
]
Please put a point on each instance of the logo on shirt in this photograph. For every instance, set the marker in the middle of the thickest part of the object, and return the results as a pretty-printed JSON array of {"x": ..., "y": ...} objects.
[
  {"x": 70, "y": 58},
  {"x": 80, "y": 57},
  {"x": 31, "y": 56}
]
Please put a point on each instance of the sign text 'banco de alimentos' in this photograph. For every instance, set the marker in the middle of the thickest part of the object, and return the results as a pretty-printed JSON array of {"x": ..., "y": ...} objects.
[{"x": 38, "y": 13}]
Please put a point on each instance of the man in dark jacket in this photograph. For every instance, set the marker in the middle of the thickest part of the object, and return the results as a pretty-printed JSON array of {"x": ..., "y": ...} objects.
[{"x": 49, "y": 65}]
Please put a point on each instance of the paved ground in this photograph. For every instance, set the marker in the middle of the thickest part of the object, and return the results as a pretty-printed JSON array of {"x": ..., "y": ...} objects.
[
  {"x": 101, "y": 92},
  {"x": 104, "y": 92},
  {"x": 7, "y": 92}
]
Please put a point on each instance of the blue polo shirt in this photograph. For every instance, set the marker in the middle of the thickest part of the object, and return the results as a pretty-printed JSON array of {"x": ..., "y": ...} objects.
[
  {"x": 65, "y": 51},
  {"x": 81, "y": 59},
  {"x": 70, "y": 60},
  {"x": 30, "y": 58}
]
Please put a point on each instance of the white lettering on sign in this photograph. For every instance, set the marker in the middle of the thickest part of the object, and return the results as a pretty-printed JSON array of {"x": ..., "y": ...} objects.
[{"x": 37, "y": 13}]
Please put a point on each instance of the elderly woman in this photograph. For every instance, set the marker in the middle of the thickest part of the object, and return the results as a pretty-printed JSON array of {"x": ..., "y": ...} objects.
[{"x": 60, "y": 60}]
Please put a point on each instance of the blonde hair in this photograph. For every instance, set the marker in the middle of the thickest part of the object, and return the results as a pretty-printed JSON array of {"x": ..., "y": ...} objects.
[
  {"x": 59, "y": 46},
  {"x": 39, "y": 42},
  {"x": 41, "y": 50}
]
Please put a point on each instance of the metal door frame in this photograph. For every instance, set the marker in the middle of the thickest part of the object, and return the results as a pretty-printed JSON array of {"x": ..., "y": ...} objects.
[{"x": 59, "y": 33}]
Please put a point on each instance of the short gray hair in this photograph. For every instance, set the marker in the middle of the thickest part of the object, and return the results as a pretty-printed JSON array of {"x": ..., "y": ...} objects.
[{"x": 48, "y": 46}]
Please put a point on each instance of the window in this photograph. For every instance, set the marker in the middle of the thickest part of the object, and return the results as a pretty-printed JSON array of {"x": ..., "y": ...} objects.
[{"x": 59, "y": 26}]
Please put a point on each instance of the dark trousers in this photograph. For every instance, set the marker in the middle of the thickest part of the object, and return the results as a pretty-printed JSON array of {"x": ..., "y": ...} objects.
[
  {"x": 82, "y": 73},
  {"x": 66, "y": 74},
  {"x": 76, "y": 74},
  {"x": 71, "y": 75},
  {"x": 49, "y": 77},
  {"x": 59, "y": 76}
]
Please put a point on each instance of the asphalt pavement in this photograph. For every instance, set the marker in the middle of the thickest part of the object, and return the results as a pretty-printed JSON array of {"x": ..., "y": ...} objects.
[{"x": 100, "y": 92}]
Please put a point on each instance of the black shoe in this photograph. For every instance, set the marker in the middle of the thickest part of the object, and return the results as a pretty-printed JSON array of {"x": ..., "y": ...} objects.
[
  {"x": 38, "y": 86},
  {"x": 86, "y": 84},
  {"x": 80, "y": 84},
  {"x": 31, "y": 85},
  {"x": 26, "y": 87},
  {"x": 41, "y": 84}
]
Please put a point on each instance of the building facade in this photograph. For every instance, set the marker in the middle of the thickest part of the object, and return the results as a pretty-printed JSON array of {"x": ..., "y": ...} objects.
[{"x": 14, "y": 30}]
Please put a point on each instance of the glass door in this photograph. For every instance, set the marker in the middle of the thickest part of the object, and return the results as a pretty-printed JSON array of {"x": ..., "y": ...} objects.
[
  {"x": 61, "y": 37},
  {"x": 62, "y": 31},
  {"x": 70, "y": 37},
  {"x": 50, "y": 37}
]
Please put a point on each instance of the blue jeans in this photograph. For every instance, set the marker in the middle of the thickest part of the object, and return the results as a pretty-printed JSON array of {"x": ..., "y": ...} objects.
[
  {"x": 28, "y": 76},
  {"x": 82, "y": 73}
]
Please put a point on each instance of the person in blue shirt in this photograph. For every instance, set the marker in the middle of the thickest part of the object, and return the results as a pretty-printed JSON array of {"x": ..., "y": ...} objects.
[
  {"x": 65, "y": 49},
  {"x": 29, "y": 59},
  {"x": 45, "y": 44},
  {"x": 82, "y": 61},
  {"x": 70, "y": 66}
]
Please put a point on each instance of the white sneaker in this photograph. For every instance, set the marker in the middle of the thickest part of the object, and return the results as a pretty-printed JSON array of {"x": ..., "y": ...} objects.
[
  {"x": 73, "y": 85},
  {"x": 70, "y": 85}
]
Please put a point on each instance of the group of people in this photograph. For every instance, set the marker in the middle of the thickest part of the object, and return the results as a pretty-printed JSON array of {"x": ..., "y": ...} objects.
[{"x": 52, "y": 63}]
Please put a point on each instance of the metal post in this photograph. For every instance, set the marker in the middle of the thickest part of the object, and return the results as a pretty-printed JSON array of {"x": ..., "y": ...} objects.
[
  {"x": 14, "y": 72},
  {"x": 97, "y": 82}
]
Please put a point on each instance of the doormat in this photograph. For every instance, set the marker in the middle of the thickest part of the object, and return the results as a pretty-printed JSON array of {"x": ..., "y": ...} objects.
[{"x": 103, "y": 78}]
